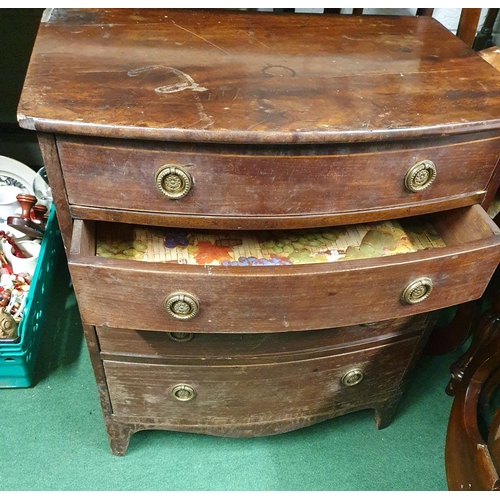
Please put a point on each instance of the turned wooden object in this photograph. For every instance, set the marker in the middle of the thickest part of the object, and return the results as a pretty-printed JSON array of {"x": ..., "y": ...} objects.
[
  {"x": 488, "y": 327},
  {"x": 27, "y": 201},
  {"x": 24, "y": 223},
  {"x": 39, "y": 212},
  {"x": 472, "y": 452}
]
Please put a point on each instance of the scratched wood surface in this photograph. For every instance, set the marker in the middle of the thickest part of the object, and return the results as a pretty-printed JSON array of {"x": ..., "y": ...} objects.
[
  {"x": 471, "y": 463},
  {"x": 227, "y": 349},
  {"x": 267, "y": 183},
  {"x": 239, "y": 77},
  {"x": 250, "y": 86},
  {"x": 251, "y": 400}
]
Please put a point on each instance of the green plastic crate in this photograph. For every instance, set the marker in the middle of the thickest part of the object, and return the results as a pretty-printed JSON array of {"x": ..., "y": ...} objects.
[{"x": 17, "y": 359}]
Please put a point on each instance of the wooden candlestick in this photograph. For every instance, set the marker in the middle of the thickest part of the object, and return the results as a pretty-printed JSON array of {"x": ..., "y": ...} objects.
[
  {"x": 38, "y": 214},
  {"x": 24, "y": 223},
  {"x": 27, "y": 201}
]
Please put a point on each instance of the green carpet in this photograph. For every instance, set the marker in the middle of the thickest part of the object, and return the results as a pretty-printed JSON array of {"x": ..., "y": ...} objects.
[{"x": 52, "y": 435}]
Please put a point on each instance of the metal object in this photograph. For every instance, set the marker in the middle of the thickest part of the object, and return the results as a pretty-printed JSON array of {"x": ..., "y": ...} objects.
[
  {"x": 352, "y": 377},
  {"x": 417, "y": 290},
  {"x": 8, "y": 326},
  {"x": 180, "y": 336},
  {"x": 173, "y": 181},
  {"x": 183, "y": 392},
  {"x": 182, "y": 305},
  {"x": 420, "y": 176}
]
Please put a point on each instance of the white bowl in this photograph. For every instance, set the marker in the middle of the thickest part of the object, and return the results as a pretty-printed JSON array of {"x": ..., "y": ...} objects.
[{"x": 8, "y": 202}]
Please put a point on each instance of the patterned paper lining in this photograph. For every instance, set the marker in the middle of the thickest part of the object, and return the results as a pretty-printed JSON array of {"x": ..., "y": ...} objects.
[
  {"x": 263, "y": 248},
  {"x": 494, "y": 208}
]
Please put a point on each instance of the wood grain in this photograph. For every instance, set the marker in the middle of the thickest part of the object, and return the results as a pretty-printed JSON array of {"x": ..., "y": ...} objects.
[
  {"x": 251, "y": 300},
  {"x": 250, "y": 400},
  {"x": 195, "y": 75},
  {"x": 50, "y": 154},
  {"x": 469, "y": 464},
  {"x": 285, "y": 121},
  {"x": 272, "y": 222},
  {"x": 272, "y": 183},
  {"x": 227, "y": 349}
]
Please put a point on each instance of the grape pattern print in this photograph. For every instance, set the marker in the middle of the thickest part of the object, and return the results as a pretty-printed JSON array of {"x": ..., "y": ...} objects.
[{"x": 263, "y": 248}]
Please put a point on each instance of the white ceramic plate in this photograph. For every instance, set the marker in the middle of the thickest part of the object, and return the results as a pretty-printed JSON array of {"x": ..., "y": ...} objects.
[{"x": 15, "y": 173}]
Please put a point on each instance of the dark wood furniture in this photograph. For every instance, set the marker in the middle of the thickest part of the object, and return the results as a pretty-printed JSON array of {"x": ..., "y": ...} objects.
[
  {"x": 231, "y": 121},
  {"x": 473, "y": 439}
]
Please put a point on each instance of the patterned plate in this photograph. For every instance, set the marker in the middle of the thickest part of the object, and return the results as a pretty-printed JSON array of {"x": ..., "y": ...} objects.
[{"x": 15, "y": 173}]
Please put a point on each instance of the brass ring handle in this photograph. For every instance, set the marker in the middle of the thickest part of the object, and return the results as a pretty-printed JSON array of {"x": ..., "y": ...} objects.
[
  {"x": 183, "y": 392},
  {"x": 173, "y": 181},
  {"x": 180, "y": 336},
  {"x": 181, "y": 305},
  {"x": 417, "y": 290},
  {"x": 420, "y": 176},
  {"x": 352, "y": 377}
]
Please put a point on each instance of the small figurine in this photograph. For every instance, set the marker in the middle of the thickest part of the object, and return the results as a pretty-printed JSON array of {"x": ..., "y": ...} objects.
[
  {"x": 8, "y": 325},
  {"x": 4, "y": 301}
]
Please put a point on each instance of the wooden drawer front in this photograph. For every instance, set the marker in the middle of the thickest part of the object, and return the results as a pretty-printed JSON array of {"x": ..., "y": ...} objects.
[
  {"x": 121, "y": 176},
  {"x": 128, "y": 294},
  {"x": 251, "y": 347},
  {"x": 257, "y": 393}
]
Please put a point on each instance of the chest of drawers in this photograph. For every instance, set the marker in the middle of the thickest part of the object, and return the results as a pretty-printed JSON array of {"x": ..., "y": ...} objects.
[{"x": 262, "y": 213}]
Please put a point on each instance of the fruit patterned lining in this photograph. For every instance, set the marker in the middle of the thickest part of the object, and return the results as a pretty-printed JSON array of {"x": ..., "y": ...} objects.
[
  {"x": 494, "y": 208},
  {"x": 263, "y": 248}
]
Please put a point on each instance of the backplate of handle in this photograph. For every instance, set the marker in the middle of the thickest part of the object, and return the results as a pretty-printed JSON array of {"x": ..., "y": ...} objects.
[
  {"x": 420, "y": 176},
  {"x": 174, "y": 181},
  {"x": 183, "y": 392},
  {"x": 181, "y": 305},
  {"x": 417, "y": 291}
]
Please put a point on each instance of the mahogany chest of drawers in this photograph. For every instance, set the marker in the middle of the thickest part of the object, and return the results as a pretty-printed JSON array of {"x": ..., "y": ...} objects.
[{"x": 262, "y": 213}]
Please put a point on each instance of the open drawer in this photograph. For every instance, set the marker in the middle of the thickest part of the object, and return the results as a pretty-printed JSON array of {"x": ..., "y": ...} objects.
[{"x": 382, "y": 276}]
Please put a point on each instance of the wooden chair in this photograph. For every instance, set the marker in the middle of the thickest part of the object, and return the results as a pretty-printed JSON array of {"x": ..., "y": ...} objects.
[
  {"x": 467, "y": 26},
  {"x": 472, "y": 452},
  {"x": 466, "y": 321}
]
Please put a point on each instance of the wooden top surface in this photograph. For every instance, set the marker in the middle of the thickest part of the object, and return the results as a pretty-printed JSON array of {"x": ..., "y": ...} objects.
[{"x": 230, "y": 76}]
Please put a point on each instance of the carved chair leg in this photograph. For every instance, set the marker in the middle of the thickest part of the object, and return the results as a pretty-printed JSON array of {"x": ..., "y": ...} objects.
[{"x": 489, "y": 325}]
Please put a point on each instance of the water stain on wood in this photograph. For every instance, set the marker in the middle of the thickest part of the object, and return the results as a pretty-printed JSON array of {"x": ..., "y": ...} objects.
[
  {"x": 174, "y": 79},
  {"x": 272, "y": 70}
]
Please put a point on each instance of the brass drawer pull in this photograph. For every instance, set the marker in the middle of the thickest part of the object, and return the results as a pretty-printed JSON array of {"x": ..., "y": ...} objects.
[
  {"x": 182, "y": 305},
  {"x": 352, "y": 377},
  {"x": 180, "y": 336},
  {"x": 183, "y": 392},
  {"x": 420, "y": 176},
  {"x": 173, "y": 181},
  {"x": 417, "y": 290}
]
